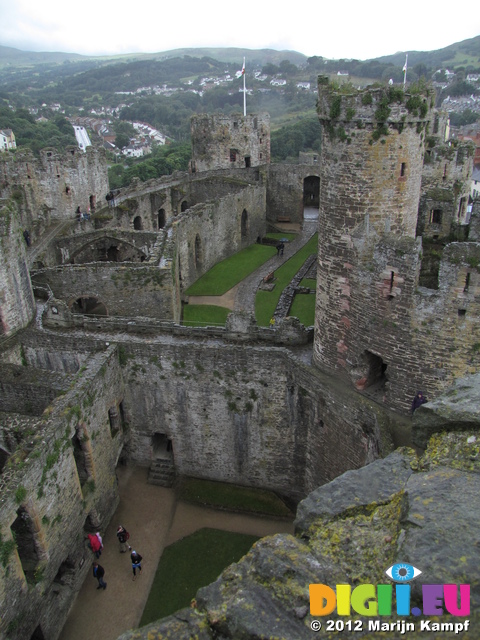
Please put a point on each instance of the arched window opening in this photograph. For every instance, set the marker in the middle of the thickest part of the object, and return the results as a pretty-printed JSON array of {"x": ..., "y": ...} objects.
[
  {"x": 184, "y": 206},
  {"x": 37, "y": 634},
  {"x": 137, "y": 223},
  {"x": 244, "y": 224},
  {"x": 161, "y": 218},
  {"x": 80, "y": 455},
  {"x": 23, "y": 530},
  {"x": 65, "y": 574},
  {"x": 89, "y": 307},
  {"x": 115, "y": 419}
]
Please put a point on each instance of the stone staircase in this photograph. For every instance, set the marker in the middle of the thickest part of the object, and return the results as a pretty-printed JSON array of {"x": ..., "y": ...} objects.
[{"x": 162, "y": 472}]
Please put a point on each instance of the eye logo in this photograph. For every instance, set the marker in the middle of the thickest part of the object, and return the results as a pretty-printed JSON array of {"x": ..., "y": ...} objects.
[{"x": 402, "y": 572}]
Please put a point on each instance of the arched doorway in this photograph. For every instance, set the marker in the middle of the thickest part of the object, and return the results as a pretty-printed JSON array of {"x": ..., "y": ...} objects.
[
  {"x": 137, "y": 223},
  {"x": 311, "y": 197},
  {"x": 161, "y": 218},
  {"x": 373, "y": 372},
  {"x": 89, "y": 307},
  {"x": 184, "y": 206},
  {"x": 162, "y": 470}
]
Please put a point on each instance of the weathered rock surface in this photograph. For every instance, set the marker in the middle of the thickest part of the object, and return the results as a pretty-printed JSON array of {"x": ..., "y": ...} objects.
[
  {"x": 424, "y": 511},
  {"x": 458, "y": 409}
]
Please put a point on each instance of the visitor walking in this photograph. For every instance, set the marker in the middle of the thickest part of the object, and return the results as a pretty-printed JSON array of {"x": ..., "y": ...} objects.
[
  {"x": 98, "y": 573},
  {"x": 95, "y": 544},
  {"x": 123, "y": 536},
  {"x": 136, "y": 562},
  {"x": 100, "y": 541}
]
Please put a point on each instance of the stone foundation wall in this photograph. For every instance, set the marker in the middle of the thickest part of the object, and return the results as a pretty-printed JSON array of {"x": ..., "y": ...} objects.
[
  {"x": 125, "y": 290},
  {"x": 230, "y": 419}
]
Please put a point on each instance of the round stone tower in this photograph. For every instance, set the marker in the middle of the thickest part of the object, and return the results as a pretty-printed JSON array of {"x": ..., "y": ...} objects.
[{"x": 368, "y": 259}]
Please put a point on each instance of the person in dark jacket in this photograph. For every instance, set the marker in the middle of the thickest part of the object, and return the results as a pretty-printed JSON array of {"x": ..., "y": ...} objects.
[
  {"x": 418, "y": 400},
  {"x": 98, "y": 573},
  {"x": 136, "y": 562},
  {"x": 122, "y": 535}
]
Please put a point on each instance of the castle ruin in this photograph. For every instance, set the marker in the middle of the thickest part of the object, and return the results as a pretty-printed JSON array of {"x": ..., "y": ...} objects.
[{"x": 97, "y": 369}]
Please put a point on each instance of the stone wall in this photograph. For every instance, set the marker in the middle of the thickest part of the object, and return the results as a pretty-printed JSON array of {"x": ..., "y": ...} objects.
[
  {"x": 123, "y": 289},
  {"x": 445, "y": 188},
  {"x": 52, "y": 186},
  {"x": 58, "y": 485},
  {"x": 230, "y": 141},
  {"x": 285, "y": 191},
  {"x": 17, "y": 305},
  {"x": 208, "y": 233},
  {"x": 230, "y": 418}
]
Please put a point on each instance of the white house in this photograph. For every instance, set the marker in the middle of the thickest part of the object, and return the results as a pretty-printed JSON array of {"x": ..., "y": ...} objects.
[
  {"x": 475, "y": 184},
  {"x": 7, "y": 140}
]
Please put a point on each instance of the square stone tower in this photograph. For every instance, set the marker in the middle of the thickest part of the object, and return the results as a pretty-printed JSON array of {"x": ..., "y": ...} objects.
[{"x": 230, "y": 141}]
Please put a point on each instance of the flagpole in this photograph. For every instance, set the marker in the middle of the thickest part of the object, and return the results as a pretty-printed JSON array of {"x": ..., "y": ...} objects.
[
  {"x": 405, "y": 70},
  {"x": 244, "y": 92}
]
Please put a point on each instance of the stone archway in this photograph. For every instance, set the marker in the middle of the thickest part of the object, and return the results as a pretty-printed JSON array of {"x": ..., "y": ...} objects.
[
  {"x": 311, "y": 197},
  {"x": 137, "y": 223},
  {"x": 89, "y": 306},
  {"x": 162, "y": 470},
  {"x": 162, "y": 219}
]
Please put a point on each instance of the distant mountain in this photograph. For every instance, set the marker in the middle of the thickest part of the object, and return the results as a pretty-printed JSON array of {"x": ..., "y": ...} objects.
[
  {"x": 465, "y": 53},
  {"x": 10, "y": 57},
  {"x": 16, "y": 57}
]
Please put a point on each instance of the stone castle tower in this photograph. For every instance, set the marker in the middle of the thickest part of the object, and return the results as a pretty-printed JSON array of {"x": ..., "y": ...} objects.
[
  {"x": 370, "y": 173},
  {"x": 230, "y": 141}
]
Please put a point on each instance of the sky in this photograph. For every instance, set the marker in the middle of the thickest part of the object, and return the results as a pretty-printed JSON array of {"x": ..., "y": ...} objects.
[{"x": 360, "y": 29}]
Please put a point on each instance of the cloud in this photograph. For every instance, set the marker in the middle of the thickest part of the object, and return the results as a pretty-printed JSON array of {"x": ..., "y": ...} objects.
[{"x": 351, "y": 29}]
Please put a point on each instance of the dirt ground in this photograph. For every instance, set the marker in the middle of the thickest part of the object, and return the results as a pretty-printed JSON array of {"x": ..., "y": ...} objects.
[
  {"x": 227, "y": 300},
  {"x": 154, "y": 519}
]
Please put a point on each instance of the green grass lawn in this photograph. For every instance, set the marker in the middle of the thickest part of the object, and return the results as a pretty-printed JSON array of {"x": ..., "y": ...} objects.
[
  {"x": 311, "y": 283},
  {"x": 266, "y": 301},
  {"x": 232, "y": 497},
  {"x": 279, "y": 236},
  {"x": 201, "y": 315},
  {"x": 226, "y": 274},
  {"x": 188, "y": 565},
  {"x": 303, "y": 308}
]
